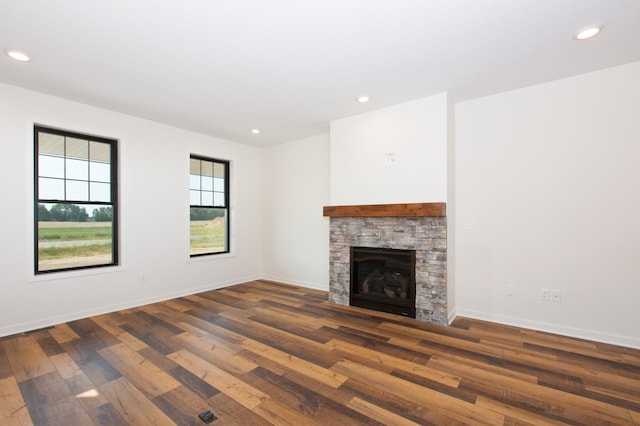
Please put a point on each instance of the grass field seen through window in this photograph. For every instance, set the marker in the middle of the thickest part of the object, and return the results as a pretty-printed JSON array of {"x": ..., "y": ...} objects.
[{"x": 75, "y": 244}]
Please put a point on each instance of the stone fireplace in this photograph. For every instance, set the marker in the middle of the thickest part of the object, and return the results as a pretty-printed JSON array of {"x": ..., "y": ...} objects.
[{"x": 420, "y": 228}]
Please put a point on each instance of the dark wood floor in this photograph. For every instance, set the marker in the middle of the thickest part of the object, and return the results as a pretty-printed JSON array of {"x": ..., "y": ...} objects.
[{"x": 264, "y": 353}]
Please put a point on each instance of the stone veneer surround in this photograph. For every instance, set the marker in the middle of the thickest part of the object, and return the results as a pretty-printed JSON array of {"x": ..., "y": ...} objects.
[{"x": 426, "y": 235}]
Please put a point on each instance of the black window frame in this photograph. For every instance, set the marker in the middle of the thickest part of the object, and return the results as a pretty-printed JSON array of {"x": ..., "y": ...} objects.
[
  {"x": 113, "y": 191},
  {"x": 226, "y": 207}
]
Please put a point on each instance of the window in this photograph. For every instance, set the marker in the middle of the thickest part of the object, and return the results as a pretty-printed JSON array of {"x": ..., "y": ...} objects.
[
  {"x": 76, "y": 218},
  {"x": 209, "y": 206}
]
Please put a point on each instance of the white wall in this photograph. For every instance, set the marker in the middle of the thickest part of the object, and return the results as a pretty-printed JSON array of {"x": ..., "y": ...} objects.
[
  {"x": 296, "y": 235},
  {"x": 415, "y": 132},
  {"x": 546, "y": 174},
  {"x": 154, "y": 167},
  {"x": 549, "y": 177}
]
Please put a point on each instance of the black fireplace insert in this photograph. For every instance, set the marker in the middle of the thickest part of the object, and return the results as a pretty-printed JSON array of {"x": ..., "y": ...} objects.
[{"x": 383, "y": 279}]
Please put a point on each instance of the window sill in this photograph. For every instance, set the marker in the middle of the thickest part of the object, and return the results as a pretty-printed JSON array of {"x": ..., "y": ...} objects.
[{"x": 74, "y": 274}]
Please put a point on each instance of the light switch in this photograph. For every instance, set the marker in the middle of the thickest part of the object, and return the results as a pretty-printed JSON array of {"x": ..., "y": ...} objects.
[{"x": 389, "y": 159}]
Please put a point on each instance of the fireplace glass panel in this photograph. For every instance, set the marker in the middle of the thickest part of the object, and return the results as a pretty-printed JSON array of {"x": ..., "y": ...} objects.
[{"x": 383, "y": 279}]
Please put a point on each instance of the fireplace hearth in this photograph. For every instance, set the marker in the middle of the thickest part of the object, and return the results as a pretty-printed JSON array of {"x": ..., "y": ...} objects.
[
  {"x": 420, "y": 227},
  {"x": 383, "y": 279}
]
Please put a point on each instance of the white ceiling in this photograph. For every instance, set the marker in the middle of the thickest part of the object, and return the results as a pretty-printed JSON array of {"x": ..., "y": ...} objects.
[{"x": 289, "y": 67}]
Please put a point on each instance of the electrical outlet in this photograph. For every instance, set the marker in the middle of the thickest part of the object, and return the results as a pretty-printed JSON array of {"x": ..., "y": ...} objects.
[
  {"x": 544, "y": 294},
  {"x": 511, "y": 290},
  {"x": 555, "y": 296}
]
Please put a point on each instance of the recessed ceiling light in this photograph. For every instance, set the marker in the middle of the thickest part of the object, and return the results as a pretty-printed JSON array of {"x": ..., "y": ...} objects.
[
  {"x": 588, "y": 32},
  {"x": 255, "y": 131},
  {"x": 363, "y": 99},
  {"x": 17, "y": 55}
]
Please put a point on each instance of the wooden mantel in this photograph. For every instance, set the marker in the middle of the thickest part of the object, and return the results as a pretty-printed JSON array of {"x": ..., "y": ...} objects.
[{"x": 387, "y": 210}]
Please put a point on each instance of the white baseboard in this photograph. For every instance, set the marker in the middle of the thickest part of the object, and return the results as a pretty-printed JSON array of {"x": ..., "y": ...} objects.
[
  {"x": 596, "y": 336},
  {"x": 298, "y": 283},
  {"x": 452, "y": 315},
  {"x": 51, "y": 321}
]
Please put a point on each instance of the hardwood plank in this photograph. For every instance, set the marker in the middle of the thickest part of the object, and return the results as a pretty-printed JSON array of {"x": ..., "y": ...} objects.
[
  {"x": 194, "y": 383},
  {"x": 287, "y": 314},
  {"x": 458, "y": 392},
  {"x": 157, "y": 359},
  {"x": 297, "y": 396},
  {"x": 389, "y": 400},
  {"x": 63, "y": 333},
  {"x": 89, "y": 331},
  {"x": 249, "y": 296},
  {"x": 269, "y": 286},
  {"x": 196, "y": 325},
  {"x": 85, "y": 392},
  {"x": 263, "y": 362},
  {"x": 307, "y": 368},
  {"x": 296, "y": 331},
  {"x": 26, "y": 357},
  {"x": 498, "y": 371},
  {"x": 522, "y": 416},
  {"x": 50, "y": 402},
  {"x": 61, "y": 413},
  {"x": 45, "y": 389},
  {"x": 47, "y": 343},
  {"x": 178, "y": 305},
  {"x": 281, "y": 298},
  {"x": 132, "y": 405},
  {"x": 232, "y": 413},
  {"x": 109, "y": 324},
  {"x": 453, "y": 342},
  {"x": 376, "y": 412},
  {"x": 92, "y": 338},
  {"x": 451, "y": 407},
  {"x": 278, "y": 414},
  {"x": 383, "y": 345},
  {"x": 230, "y": 302},
  {"x": 228, "y": 384},
  {"x": 556, "y": 404},
  {"x": 66, "y": 366},
  {"x": 5, "y": 367},
  {"x": 143, "y": 374},
  {"x": 590, "y": 376},
  {"x": 97, "y": 369},
  {"x": 13, "y": 409},
  {"x": 182, "y": 406},
  {"x": 300, "y": 347},
  {"x": 210, "y": 302},
  {"x": 357, "y": 336},
  {"x": 106, "y": 415},
  {"x": 208, "y": 349},
  {"x": 437, "y": 375},
  {"x": 600, "y": 392},
  {"x": 77, "y": 382},
  {"x": 151, "y": 330},
  {"x": 590, "y": 356},
  {"x": 222, "y": 337}
]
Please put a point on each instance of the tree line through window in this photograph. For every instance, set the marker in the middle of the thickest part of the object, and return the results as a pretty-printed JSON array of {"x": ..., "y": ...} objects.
[
  {"x": 75, "y": 199},
  {"x": 209, "y": 206}
]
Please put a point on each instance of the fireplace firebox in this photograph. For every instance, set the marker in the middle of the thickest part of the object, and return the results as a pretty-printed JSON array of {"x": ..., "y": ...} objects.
[{"x": 383, "y": 279}]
